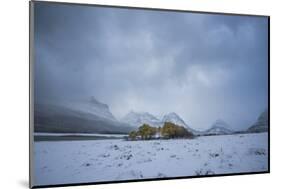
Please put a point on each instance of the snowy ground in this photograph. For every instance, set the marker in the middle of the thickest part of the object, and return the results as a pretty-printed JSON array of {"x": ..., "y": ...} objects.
[{"x": 110, "y": 160}]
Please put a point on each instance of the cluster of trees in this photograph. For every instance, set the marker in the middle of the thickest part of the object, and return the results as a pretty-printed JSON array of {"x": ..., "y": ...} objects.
[
  {"x": 145, "y": 132},
  {"x": 169, "y": 130}
]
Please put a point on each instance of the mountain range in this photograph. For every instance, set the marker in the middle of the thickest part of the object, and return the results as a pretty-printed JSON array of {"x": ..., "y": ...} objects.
[
  {"x": 91, "y": 116},
  {"x": 91, "y": 105},
  {"x": 136, "y": 119},
  {"x": 84, "y": 116}
]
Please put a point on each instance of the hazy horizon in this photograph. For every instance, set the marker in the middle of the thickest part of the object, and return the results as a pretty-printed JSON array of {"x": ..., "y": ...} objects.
[{"x": 204, "y": 67}]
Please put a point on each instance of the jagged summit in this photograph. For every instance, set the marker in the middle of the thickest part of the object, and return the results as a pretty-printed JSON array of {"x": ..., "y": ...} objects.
[
  {"x": 93, "y": 106},
  {"x": 86, "y": 115},
  {"x": 220, "y": 123},
  {"x": 219, "y": 127},
  {"x": 136, "y": 119},
  {"x": 174, "y": 118}
]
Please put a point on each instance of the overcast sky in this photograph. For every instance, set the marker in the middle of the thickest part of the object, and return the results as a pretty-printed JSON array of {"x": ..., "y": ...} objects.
[{"x": 202, "y": 66}]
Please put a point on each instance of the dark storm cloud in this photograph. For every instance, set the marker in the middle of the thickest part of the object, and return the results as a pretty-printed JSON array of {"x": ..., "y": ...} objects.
[{"x": 202, "y": 66}]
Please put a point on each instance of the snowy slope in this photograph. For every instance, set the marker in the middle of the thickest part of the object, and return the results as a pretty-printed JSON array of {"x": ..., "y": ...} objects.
[
  {"x": 91, "y": 105},
  {"x": 60, "y": 119},
  {"x": 136, "y": 119},
  {"x": 110, "y": 160},
  {"x": 261, "y": 124},
  {"x": 219, "y": 128},
  {"x": 176, "y": 119}
]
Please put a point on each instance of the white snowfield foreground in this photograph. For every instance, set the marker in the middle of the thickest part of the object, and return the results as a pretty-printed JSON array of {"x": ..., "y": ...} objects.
[{"x": 67, "y": 162}]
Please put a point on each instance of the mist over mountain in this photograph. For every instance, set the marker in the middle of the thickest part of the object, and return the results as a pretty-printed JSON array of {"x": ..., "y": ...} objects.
[
  {"x": 174, "y": 118},
  {"x": 88, "y": 115},
  {"x": 261, "y": 125},
  {"x": 136, "y": 119},
  {"x": 92, "y": 106},
  {"x": 219, "y": 127},
  {"x": 152, "y": 62},
  {"x": 83, "y": 116}
]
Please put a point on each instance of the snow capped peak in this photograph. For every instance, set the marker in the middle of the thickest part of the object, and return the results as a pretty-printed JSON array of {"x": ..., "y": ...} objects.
[
  {"x": 139, "y": 118},
  {"x": 172, "y": 114},
  {"x": 93, "y": 106},
  {"x": 220, "y": 123},
  {"x": 174, "y": 118},
  {"x": 136, "y": 119},
  {"x": 219, "y": 127},
  {"x": 139, "y": 115},
  {"x": 98, "y": 108}
]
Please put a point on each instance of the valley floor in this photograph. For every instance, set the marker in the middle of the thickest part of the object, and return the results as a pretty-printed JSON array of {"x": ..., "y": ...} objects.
[{"x": 66, "y": 162}]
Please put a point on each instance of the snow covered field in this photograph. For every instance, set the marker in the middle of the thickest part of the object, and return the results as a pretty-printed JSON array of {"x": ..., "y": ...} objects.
[{"x": 110, "y": 160}]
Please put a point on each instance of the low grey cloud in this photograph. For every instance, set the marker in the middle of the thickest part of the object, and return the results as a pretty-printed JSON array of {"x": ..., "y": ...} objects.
[{"x": 201, "y": 66}]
